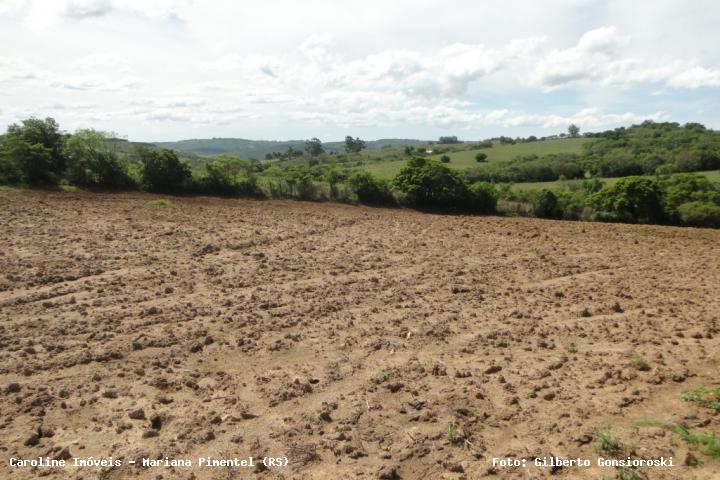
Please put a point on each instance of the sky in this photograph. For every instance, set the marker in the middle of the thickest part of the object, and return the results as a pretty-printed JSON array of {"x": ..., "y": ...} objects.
[{"x": 161, "y": 70}]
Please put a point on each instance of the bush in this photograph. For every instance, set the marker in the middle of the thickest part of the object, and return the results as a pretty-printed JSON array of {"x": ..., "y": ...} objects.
[
  {"x": 31, "y": 162},
  {"x": 545, "y": 204},
  {"x": 10, "y": 174},
  {"x": 92, "y": 163},
  {"x": 699, "y": 214},
  {"x": 684, "y": 188},
  {"x": 34, "y": 149},
  {"x": 429, "y": 184},
  {"x": 631, "y": 199},
  {"x": 230, "y": 175},
  {"x": 334, "y": 176},
  {"x": 370, "y": 190},
  {"x": 571, "y": 205},
  {"x": 481, "y": 157},
  {"x": 484, "y": 197},
  {"x": 592, "y": 185},
  {"x": 529, "y": 168},
  {"x": 445, "y": 159},
  {"x": 162, "y": 170}
]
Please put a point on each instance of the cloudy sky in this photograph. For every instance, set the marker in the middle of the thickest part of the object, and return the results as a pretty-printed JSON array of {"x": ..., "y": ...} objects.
[{"x": 281, "y": 69}]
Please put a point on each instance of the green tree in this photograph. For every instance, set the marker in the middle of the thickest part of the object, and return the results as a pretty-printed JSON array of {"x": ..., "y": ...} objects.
[
  {"x": 334, "y": 175},
  {"x": 34, "y": 147},
  {"x": 10, "y": 173},
  {"x": 484, "y": 197},
  {"x": 573, "y": 130},
  {"x": 631, "y": 199},
  {"x": 353, "y": 145},
  {"x": 91, "y": 161},
  {"x": 162, "y": 170},
  {"x": 230, "y": 175},
  {"x": 699, "y": 214},
  {"x": 314, "y": 147},
  {"x": 31, "y": 162},
  {"x": 428, "y": 183},
  {"x": 688, "y": 187},
  {"x": 592, "y": 185},
  {"x": 370, "y": 190},
  {"x": 545, "y": 204}
]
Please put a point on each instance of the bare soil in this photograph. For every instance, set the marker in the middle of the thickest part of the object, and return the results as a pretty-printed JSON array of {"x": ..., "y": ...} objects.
[{"x": 358, "y": 342}]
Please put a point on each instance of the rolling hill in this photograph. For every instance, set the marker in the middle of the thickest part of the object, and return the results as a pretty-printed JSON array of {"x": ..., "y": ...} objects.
[
  {"x": 259, "y": 148},
  {"x": 462, "y": 156}
]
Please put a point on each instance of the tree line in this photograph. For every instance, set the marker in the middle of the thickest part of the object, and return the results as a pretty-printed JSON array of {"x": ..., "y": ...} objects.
[
  {"x": 37, "y": 152},
  {"x": 647, "y": 149},
  {"x": 687, "y": 199}
]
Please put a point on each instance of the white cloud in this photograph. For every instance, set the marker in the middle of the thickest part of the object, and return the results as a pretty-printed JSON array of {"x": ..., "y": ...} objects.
[
  {"x": 603, "y": 40},
  {"x": 599, "y": 58},
  {"x": 695, "y": 77},
  {"x": 12, "y": 68},
  {"x": 103, "y": 61},
  {"x": 43, "y": 14},
  {"x": 94, "y": 82},
  {"x": 408, "y": 68}
]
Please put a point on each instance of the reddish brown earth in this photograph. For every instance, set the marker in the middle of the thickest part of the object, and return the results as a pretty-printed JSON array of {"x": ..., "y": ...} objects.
[{"x": 345, "y": 338}]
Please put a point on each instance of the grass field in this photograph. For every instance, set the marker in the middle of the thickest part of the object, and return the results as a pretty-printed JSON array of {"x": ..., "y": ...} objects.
[
  {"x": 498, "y": 153},
  {"x": 713, "y": 175}
]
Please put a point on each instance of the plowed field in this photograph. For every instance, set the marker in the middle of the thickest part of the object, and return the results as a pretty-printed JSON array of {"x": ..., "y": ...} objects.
[{"x": 356, "y": 342}]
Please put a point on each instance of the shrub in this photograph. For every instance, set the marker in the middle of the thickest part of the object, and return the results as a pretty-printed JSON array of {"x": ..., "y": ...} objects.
[
  {"x": 684, "y": 188},
  {"x": 34, "y": 150},
  {"x": 230, "y": 175},
  {"x": 370, "y": 190},
  {"x": 162, "y": 170},
  {"x": 545, "y": 204},
  {"x": 571, "y": 204},
  {"x": 592, "y": 185},
  {"x": 32, "y": 161},
  {"x": 334, "y": 175},
  {"x": 445, "y": 159},
  {"x": 301, "y": 182},
  {"x": 481, "y": 157},
  {"x": 484, "y": 197},
  {"x": 10, "y": 174},
  {"x": 699, "y": 214},
  {"x": 631, "y": 199},
  {"x": 429, "y": 184},
  {"x": 91, "y": 161},
  {"x": 530, "y": 168}
]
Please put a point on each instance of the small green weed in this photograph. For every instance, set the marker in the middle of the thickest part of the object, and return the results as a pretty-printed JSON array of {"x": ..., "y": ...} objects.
[
  {"x": 159, "y": 202},
  {"x": 628, "y": 473},
  {"x": 704, "y": 396},
  {"x": 641, "y": 364},
  {"x": 607, "y": 442},
  {"x": 708, "y": 444},
  {"x": 452, "y": 434}
]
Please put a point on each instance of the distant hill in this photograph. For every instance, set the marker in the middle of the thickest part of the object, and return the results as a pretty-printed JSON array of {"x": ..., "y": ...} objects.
[{"x": 259, "y": 148}]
